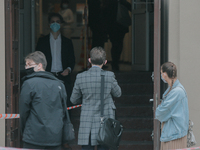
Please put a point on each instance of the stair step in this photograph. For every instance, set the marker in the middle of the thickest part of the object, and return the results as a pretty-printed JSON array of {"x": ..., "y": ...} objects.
[
  {"x": 136, "y": 123},
  {"x": 134, "y": 111},
  {"x": 124, "y": 111},
  {"x": 134, "y": 77},
  {"x": 127, "y": 122},
  {"x": 136, "y": 89},
  {"x": 133, "y": 99},
  {"x": 126, "y": 145},
  {"x": 136, "y": 135}
]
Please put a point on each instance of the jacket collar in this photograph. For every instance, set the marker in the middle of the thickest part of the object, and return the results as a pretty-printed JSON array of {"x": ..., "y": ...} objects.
[
  {"x": 176, "y": 83},
  {"x": 95, "y": 68},
  {"x": 42, "y": 74}
]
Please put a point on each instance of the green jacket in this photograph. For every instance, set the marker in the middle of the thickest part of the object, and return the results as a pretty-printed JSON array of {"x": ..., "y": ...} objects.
[{"x": 41, "y": 109}]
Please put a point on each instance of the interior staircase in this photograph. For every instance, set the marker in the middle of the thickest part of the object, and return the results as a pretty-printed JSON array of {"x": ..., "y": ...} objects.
[{"x": 134, "y": 111}]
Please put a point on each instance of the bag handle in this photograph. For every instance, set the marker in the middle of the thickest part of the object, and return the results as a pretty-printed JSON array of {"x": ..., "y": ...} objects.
[
  {"x": 102, "y": 93},
  {"x": 66, "y": 112}
]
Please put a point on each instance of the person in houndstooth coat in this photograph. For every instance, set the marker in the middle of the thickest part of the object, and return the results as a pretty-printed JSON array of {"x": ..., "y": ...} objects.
[{"x": 87, "y": 90}]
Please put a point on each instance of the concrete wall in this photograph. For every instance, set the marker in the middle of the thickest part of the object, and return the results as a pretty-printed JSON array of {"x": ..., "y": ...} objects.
[
  {"x": 2, "y": 73},
  {"x": 184, "y": 51}
]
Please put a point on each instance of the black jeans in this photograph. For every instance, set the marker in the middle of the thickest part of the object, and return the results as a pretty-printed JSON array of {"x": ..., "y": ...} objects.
[{"x": 32, "y": 146}]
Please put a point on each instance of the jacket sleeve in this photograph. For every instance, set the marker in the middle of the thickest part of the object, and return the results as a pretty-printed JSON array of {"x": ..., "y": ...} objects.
[
  {"x": 39, "y": 44},
  {"x": 163, "y": 111},
  {"x": 115, "y": 89},
  {"x": 24, "y": 105},
  {"x": 76, "y": 96},
  {"x": 71, "y": 58}
]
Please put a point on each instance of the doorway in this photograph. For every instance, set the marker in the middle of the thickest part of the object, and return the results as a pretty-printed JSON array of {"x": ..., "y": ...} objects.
[{"x": 33, "y": 24}]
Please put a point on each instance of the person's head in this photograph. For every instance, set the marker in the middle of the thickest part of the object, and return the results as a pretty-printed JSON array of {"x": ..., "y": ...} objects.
[
  {"x": 168, "y": 70},
  {"x": 64, "y": 4},
  {"x": 55, "y": 20},
  {"x": 169, "y": 74},
  {"x": 36, "y": 61},
  {"x": 98, "y": 56}
]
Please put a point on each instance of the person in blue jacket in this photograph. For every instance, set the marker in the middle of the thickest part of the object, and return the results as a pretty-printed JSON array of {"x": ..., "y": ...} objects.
[{"x": 173, "y": 111}]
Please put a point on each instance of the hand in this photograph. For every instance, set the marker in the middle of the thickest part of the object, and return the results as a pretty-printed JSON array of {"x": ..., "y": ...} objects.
[{"x": 65, "y": 72}]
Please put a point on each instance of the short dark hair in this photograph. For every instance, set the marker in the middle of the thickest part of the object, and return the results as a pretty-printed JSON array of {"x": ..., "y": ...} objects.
[
  {"x": 37, "y": 57},
  {"x": 51, "y": 15},
  {"x": 97, "y": 56}
]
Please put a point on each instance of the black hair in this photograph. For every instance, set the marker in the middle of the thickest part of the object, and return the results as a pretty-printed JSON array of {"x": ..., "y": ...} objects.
[{"x": 51, "y": 15}]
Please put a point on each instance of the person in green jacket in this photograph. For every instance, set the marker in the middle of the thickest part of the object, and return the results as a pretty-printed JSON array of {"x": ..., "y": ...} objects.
[{"x": 41, "y": 105}]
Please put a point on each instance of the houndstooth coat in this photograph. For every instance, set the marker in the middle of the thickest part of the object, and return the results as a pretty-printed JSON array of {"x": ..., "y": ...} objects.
[{"x": 87, "y": 89}]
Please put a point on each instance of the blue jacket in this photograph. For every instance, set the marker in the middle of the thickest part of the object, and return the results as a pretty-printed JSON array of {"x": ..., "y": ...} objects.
[{"x": 173, "y": 111}]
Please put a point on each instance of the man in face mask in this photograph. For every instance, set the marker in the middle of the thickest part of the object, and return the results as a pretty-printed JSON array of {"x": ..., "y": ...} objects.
[
  {"x": 59, "y": 52},
  {"x": 41, "y": 105}
]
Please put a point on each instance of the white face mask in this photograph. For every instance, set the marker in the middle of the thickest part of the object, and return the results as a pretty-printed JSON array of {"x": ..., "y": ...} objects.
[{"x": 163, "y": 79}]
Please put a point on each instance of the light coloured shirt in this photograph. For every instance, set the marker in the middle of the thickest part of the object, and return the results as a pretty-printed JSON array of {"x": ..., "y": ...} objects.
[
  {"x": 55, "y": 44},
  {"x": 56, "y": 53}
]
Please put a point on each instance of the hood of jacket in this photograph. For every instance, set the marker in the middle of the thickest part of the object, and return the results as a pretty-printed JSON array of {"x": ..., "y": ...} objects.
[{"x": 42, "y": 74}]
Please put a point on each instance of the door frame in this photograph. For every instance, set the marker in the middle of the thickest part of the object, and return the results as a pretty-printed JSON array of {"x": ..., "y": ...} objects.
[
  {"x": 12, "y": 134},
  {"x": 157, "y": 60}
]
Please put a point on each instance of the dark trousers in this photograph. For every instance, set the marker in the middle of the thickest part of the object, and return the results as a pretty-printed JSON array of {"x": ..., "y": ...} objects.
[
  {"x": 117, "y": 39},
  {"x": 68, "y": 87},
  {"x": 31, "y": 146}
]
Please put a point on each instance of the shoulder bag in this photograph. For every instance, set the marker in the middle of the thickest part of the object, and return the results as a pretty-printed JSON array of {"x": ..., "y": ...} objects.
[
  {"x": 110, "y": 129},
  {"x": 190, "y": 136}
]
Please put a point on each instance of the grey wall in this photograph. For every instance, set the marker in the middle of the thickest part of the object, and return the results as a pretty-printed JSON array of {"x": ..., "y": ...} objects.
[{"x": 183, "y": 47}]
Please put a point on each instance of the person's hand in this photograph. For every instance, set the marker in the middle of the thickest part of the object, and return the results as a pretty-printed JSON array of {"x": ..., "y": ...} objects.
[{"x": 65, "y": 72}]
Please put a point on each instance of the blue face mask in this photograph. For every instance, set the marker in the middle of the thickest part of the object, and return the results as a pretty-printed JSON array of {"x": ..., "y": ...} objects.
[
  {"x": 55, "y": 27},
  {"x": 163, "y": 79}
]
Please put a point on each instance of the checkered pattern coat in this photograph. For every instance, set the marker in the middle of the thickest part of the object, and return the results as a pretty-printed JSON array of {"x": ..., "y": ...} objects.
[{"x": 87, "y": 89}]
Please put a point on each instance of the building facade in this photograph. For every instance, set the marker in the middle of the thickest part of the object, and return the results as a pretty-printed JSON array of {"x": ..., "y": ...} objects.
[{"x": 181, "y": 29}]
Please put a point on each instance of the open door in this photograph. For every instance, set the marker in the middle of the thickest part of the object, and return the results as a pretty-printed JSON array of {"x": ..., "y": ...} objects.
[
  {"x": 157, "y": 47},
  {"x": 12, "y": 71},
  {"x": 142, "y": 16}
]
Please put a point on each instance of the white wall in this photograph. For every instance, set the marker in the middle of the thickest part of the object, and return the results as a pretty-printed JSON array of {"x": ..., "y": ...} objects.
[
  {"x": 2, "y": 73},
  {"x": 184, "y": 50}
]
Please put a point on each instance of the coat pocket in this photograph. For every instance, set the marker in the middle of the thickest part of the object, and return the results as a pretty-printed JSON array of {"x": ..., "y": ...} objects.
[{"x": 169, "y": 129}]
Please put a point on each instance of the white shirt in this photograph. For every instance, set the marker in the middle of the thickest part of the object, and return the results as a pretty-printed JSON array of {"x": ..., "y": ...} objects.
[{"x": 56, "y": 53}]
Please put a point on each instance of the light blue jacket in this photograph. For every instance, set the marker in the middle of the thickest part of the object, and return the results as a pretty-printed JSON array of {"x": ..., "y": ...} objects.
[{"x": 173, "y": 111}]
